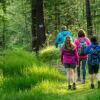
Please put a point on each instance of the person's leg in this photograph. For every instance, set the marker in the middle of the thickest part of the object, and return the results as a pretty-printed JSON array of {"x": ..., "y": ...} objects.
[
  {"x": 73, "y": 68},
  {"x": 91, "y": 73},
  {"x": 78, "y": 70},
  {"x": 92, "y": 80},
  {"x": 74, "y": 75},
  {"x": 84, "y": 69},
  {"x": 67, "y": 67},
  {"x": 69, "y": 78},
  {"x": 74, "y": 78},
  {"x": 68, "y": 75},
  {"x": 71, "y": 75},
  {"x": 96, "y": 70}
]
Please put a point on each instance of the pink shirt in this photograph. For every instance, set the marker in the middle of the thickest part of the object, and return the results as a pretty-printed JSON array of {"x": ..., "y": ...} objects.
[
  {"x": 77, "y": 42},
  {"x": 70, "y": 57}
]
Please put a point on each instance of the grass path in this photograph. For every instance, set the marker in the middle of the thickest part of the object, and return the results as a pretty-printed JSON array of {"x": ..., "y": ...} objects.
[
  {"x": 24, "y": 77},
  {"x": 83, "y": 89}
]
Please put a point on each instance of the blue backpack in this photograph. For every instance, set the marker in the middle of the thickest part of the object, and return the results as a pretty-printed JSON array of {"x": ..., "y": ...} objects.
[
  {"x": 82, "y": 46},
  {"x": 94, "y": 56}
]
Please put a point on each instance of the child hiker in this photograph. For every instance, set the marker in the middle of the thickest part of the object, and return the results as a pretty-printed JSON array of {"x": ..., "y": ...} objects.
[
  {"x": 82, "y": 42},
  {"x": 69, "y": 58},
  {"x": 93, "y": 52}
]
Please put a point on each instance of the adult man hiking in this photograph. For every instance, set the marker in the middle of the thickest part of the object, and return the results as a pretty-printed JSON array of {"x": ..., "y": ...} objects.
[{"x": 61, "y": 36}]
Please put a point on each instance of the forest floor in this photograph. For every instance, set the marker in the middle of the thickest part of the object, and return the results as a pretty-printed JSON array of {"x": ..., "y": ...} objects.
[{"x": 23, "y": 76}]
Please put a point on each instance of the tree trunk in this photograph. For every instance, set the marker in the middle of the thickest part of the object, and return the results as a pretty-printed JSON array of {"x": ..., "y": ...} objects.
[
  {"x": 89, "y": 18},
  {"x": 2, "y": 35},
  {"x": 38, "y": 28},
  {"x": 57, "y": 15}
]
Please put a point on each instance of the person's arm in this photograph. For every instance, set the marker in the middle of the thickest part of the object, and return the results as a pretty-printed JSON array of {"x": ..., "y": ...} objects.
[
  {"x": 76, "y": 43},
  {"x": 88, "y": 41},
  {"x": 76, "y": 56}
]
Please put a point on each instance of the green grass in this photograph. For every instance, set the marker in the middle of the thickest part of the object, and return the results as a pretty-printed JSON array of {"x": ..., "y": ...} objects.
[
  {"x": 49, "y": 55},
  {"x": 23, "y": 76}
]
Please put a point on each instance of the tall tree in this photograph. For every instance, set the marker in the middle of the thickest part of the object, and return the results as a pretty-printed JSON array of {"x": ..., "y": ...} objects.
[
  {"x": 2, "y": 35},
  {"x": 57, "y": 14},
  {"x": 38, "y": 28},
  {"x": 89, "y": 18},
  {"x": 95, "y": 9}
]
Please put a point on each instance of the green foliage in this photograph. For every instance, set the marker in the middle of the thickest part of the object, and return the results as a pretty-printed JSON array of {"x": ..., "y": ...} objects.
[
  {"x": 27, "y": 77},
  {"x": 17, "y": 21},
  {"x": 15, "y": 18},
  {"x": 21, "y": 70},
  {"x": 49, "y": 55},
  {"x": 60, "y": 12},
  {"x": 95, "y": 8},
  {"x": 13, "y": 61}
]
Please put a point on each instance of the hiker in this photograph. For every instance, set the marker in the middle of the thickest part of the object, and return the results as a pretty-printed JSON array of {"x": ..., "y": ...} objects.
[
  {"x": 82, "y": 42},
  {"x": 69, "y": 58},
  {"x": 93, "y": 52},
  {"x": 61, "y": 36}
]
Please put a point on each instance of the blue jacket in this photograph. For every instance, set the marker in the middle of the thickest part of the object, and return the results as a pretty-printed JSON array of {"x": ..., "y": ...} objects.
[
  {"x": 61, "y": 37},
  {"x": 88, "y": 50}
]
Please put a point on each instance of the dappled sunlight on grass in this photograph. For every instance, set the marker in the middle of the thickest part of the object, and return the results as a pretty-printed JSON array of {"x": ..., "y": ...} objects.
[
  {"x": 49, "y": 87},
  {"x": 27, "y": 77},
  {"x": 48, "y": 49},
  {"x": 43, "y": 73},
  {"x": 60, "y": 88},
  {"x": 41, "y": 70}
]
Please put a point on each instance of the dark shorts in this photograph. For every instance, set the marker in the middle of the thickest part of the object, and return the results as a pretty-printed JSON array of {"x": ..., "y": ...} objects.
[
  {"x": 70, "y": 66},
  {"x": 93, "y": 69}
]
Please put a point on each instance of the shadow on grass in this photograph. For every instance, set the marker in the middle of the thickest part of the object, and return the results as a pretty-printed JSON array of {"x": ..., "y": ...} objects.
[{"x": 40, "y": 95}]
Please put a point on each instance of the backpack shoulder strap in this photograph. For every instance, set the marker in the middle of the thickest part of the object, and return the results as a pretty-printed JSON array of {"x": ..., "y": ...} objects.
[
  {"x": 81, "y": 39},
  {"x": 94, "y": 47}
]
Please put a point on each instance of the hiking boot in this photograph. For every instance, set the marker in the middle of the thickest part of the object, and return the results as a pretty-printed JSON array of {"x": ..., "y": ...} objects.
[
  {"x": 83, "y": 81},
  {"x": 69, "y": 87},
  {"x": 74, "y": 86},
  {"x": 92, "y": 86},
  {"x": 98, "y": 84}
]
